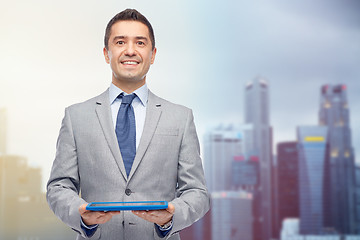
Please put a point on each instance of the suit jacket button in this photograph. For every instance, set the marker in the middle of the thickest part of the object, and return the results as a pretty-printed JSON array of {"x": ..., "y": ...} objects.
[{"x": 128, "y": 192}]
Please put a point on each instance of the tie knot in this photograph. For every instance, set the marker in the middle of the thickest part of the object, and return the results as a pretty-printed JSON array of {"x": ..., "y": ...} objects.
[{"x": 127, "y": 99}]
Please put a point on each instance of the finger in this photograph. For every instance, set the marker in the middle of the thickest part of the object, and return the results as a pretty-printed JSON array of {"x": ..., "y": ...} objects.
[
  {"x": 82, "y": 208},
  {"x": 153, "y": 216},
  {"x": 90, "y": 217},
  {"x": 98, "y": 214},
  {"x": 171, "y": 208},
  {"x": 93, "y": 216},
  {"x": 146, "y": 216},
  {"x": 114, "y": 213},
  {"x": 142, "y": 214},
  {"x": 104, "y": 219},
  {"x": 152, "y": 213},
  {"x": 137, "y": 211}
]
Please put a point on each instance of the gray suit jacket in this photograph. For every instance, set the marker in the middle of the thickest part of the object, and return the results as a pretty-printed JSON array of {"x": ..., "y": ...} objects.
[{"x": 167, "y": 166}]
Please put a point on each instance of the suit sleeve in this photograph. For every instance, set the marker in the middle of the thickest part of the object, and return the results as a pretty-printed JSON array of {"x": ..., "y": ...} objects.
[
  {"x": 192, "y": 200},
  {"x": 64, "y": 183}
]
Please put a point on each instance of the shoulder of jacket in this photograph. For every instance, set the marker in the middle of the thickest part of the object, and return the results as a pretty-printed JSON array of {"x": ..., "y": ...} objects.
[
  {"x": 169, "y": 105},
  {"x": 90, "y": 103}
]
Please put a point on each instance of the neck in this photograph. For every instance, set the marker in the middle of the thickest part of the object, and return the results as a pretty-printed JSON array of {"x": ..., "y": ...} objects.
[{"x": 128, "y": 87}]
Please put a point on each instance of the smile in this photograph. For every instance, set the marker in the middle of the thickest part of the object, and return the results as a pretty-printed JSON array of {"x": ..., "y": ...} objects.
[{"x": 130, "y": 63}]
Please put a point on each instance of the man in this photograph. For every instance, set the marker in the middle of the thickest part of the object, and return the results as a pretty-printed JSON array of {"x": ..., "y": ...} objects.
[{"x": 127, "y": 144}]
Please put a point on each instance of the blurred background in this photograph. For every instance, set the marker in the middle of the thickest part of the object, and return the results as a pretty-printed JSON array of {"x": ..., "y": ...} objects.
[{"x": 274, "y": 86}]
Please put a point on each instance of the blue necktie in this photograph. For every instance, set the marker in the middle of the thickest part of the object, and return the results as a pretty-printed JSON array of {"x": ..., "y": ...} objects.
[{"x": 126, "y": 131}]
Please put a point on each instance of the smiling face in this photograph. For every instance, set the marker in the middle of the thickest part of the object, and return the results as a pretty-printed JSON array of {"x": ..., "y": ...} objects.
[{"x": 129, "y": 54}]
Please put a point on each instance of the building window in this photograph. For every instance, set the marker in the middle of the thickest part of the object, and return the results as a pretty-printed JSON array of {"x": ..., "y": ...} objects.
[
  {"x": 347, "y": 154},
  {"x": 339, "y": 123},
  {"x": 334, "y": 152},
  {"x": 327, "y": 104}
]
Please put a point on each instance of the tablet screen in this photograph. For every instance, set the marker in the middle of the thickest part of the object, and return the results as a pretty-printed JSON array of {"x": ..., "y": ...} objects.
[{"x": 127, "y": 204}]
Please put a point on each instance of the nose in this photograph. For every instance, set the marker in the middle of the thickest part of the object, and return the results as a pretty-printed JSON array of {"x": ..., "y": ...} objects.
[{"x": 130, "y": 50}]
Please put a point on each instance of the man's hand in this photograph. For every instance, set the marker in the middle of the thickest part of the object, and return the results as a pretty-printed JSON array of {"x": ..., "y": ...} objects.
[
  {"x": 95, "y": 217},
  {"x": 160, "y": 217}
]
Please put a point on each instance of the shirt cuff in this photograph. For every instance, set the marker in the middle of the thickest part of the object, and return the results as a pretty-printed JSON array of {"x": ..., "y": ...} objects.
[
  {"x": 163, "y": 231},
  {"x": 89, "y": 230}
]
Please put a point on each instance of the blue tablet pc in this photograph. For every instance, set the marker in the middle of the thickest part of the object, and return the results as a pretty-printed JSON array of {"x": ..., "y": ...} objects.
[{"x": 126, "y": 206}]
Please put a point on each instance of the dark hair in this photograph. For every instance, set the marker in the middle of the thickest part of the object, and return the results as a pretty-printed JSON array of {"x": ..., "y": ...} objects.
[{"x": 128, "y": 14}]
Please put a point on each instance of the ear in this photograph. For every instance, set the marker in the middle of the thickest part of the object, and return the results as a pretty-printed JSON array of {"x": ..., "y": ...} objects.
[
  {"x": 106, "y": 55},
  {"x": 153, "y": 56}
]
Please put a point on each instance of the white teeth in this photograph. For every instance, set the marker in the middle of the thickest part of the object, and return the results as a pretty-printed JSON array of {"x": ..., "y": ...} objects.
[{"x": 130, "y": 62}]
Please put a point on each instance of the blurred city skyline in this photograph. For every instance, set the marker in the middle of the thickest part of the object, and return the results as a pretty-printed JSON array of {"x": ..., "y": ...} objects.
[
  {"x": 310, "y": 184},
  {"x": 207, "y": 52}
]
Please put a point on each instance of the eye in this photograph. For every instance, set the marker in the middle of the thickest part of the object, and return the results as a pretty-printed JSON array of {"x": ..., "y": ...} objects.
[
  {"x": 120, "y": 42},
  {"x": 140, "y": 43}
]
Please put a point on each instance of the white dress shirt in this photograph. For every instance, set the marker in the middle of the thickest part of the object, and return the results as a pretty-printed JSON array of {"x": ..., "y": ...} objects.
[{"x": 139, "y": 105}]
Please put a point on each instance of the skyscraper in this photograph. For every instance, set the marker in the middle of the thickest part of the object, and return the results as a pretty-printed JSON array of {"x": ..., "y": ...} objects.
[
  {"x": 289, "y": 229},
  {"x": 221, "y": 145},
  {"x": 358, "y": 199},
  {"x": 257, "y": 114},
  {"x": 24, "y": 212},
  {"x": 229, "y": 208},
  {"x": 334, "y": 113},
  {"x": 231, "y": 215},
  {"x": 17, "y": 186},
  {"x": 200, "y": 230},
  {"x": 245, "y": 173},
  {"x": 312, "y": 150},
  {"x": 288, "y": 181}
]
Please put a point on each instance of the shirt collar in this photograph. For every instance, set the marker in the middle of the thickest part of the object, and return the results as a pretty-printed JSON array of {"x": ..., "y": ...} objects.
[{"x": 142, "y": 93}]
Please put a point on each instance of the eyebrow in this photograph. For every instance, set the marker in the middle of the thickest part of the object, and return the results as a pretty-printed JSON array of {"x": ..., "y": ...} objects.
[{"x": 123, "y": 37}]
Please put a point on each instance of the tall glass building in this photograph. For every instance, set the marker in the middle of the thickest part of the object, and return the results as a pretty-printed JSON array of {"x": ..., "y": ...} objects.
[
  {"x": 221, "y": 145},
  {"x": 334, "y": 113},
  {"x": 312, "y": 150},
  {"x": 231, "y": 211},
  {"x": 231, "y": 215},
  {"x": 287, "y": 181},
  {"x": 358, "y": 199},
  {"x": 245, "y": 173},
  {"x": 257, "y": 114}
]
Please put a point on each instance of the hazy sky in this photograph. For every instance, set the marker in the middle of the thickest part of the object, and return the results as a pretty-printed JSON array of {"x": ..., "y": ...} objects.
[{"x": 51, "y": 57}]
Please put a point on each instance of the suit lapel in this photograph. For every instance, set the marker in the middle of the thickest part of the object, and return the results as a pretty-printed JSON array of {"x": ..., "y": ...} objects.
[
  {"x": 153, "y": 113},
  {"x": 103, "y": 112}
]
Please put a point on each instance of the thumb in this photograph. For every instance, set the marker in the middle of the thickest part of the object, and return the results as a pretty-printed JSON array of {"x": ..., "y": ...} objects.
[
  {"x": 114, "y": 213},
  {"x": 82, "y": 208},
  {"x": 171, "y": 208}
]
